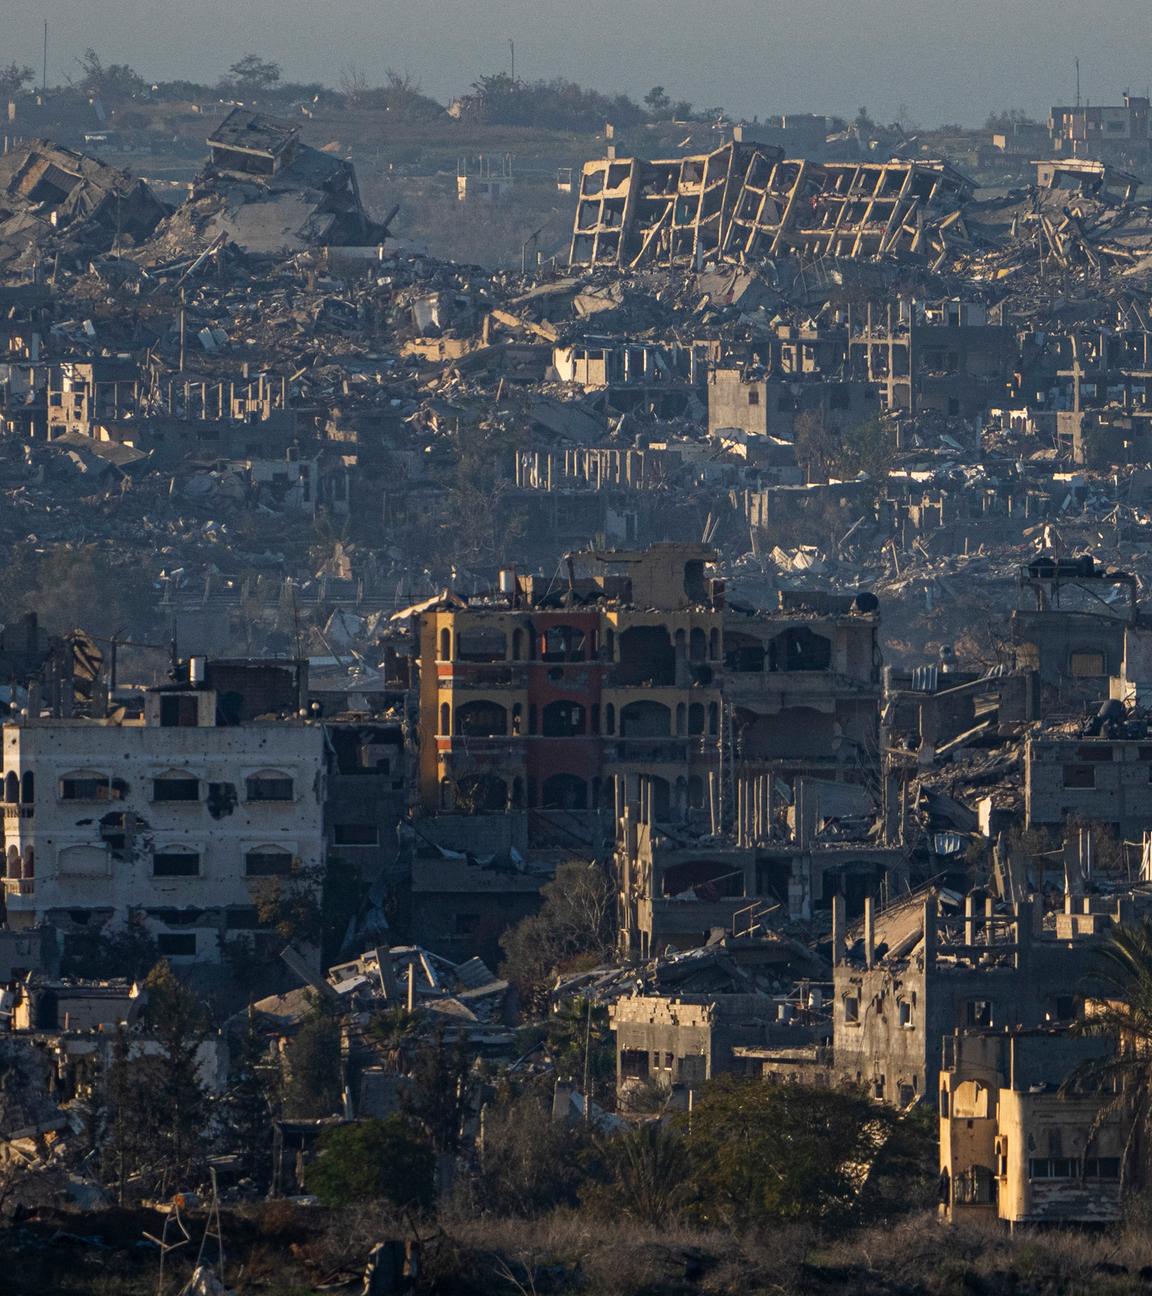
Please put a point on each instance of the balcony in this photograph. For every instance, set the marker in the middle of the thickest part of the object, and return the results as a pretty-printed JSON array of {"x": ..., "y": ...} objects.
[
  {"x": 652, "y": 750},
  {"x": 18, "y": 812},
  {"x": 19, "y": 886},
  {"x": 498, "y": 675}
]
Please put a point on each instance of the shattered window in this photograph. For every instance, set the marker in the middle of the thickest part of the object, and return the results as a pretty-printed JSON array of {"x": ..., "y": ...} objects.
[
  {"x": 1079, "y": 776},
  {"x": 269, "y": 787},
  {"x": 268, "y": 862},
  {"x": 176, "y": 788},
  {"x": 176, "y": 943},
  {"x": 979, "y": 1012},
  {"x": 87, "y": 787},
  {"x": 355, "y": 835},
  {"x": 176, "y": 863},
  {"x": 179, "y": 711}
]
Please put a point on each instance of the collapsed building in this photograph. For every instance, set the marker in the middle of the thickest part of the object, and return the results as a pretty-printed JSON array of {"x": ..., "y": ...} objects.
[
  {"x": 52, "y": 196},
  {"x": 263, "y": 190},
  {"x": 745, "y": 201}
]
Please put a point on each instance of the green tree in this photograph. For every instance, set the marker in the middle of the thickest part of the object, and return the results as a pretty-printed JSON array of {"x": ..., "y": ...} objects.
[
  {"x": 764, "y": 1152},
  {"x": 178, "y": 1020},
  {"x": 1008, "y": 119},
  {"x": 252, "y": 75},
  {"x": 121, "y": 1136},
  {"x": 82, "y": 587},
  {"x": 580, "y": 1042},
  {"x": 154, "y": 1108},
  {"x": 647, "y": 1172},
  {"x": 441, "y": 1091},
  {"x": 395, "y": 1032},
  {"x": 313, "y": 1085},
  {"x": 658, "y": 103},
  {"x": 577, "y": 918},
  {"x": 109, "y": 81},
  {"x": 13, "y": 79},
  {"x": 374, "y": 1160},
  {"x": 528, "y": 1163},
  {"x": 248, "y": 1106},
  {"x": 864, "y": 447}
]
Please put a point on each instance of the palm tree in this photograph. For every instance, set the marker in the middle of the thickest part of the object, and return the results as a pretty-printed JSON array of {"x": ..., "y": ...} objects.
[
  {"x": 394, "y": 1032},
  {"x": 1126, "y": 1073},
  {"x": 651, "y": 1172}
]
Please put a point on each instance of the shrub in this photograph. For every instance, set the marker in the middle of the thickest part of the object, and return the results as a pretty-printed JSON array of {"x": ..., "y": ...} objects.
[{"x": 374, "y": 1160}]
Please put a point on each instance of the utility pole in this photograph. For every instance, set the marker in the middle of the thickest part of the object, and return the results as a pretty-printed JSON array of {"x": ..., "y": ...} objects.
[
  {"x": 44, "y": 70},
  {"x": 512, "y": 51},
  {"x": 1077, "y": 83}
]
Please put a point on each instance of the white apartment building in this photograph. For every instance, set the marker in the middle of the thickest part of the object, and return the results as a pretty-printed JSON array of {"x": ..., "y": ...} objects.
[{"x": 173, "y": 820}]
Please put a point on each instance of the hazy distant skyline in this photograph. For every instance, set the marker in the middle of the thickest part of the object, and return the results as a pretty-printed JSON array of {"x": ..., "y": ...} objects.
[{"x": 932, "y": 61}]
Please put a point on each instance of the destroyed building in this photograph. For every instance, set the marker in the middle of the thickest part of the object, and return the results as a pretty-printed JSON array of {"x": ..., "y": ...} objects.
[
  {"x": 746, "y": 200},
  {"x": 638, "y": 682},
  {"x": 264, "y": 190},
  {"x": 54, "y": 196},
  {"x": 178, "y": 818},
  {"x": 1014, "y": 1145},
  {"x": 919, "y": 975}
]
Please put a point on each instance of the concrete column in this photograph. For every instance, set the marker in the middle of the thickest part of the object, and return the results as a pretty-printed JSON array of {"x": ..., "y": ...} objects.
[
  {"x": 837, "y": 930},
  {"x": 869, "y": 932},
  {"x": 930, "y": 931}
]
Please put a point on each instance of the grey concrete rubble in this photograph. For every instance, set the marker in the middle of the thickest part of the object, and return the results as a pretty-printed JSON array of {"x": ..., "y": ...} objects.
[{"x": 730, "y": 636}]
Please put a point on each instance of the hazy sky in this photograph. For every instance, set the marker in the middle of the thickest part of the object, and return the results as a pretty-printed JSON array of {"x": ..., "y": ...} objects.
[{"x": 934, "y": 60}]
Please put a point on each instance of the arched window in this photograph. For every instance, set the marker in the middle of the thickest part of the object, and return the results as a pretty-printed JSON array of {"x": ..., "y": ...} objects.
[
  {"x": 680, "y": 714},
  {"x": 30, "y": 862},
  {"x": 563, "y": 643},
  {"x": 645, "y": 719},
  {"x": 481, "y": 719},
  {"x": 12, "y": 864},
  {"x": 714, "y": 645},
  {"x": 11, "y": 788},
  {"x": 85, "y": 785},
  {"x": 445, "y": 719},
  {"x": 517, "y": 719},
  {"x": 28, "y": 787},
  {"x": 481, "y": 643},
  {"x": 445, "y": 645},
  {"x": 713, "y": 718},
  {"x": 698, "y": 645},
  {"x": 175, "y": 861},
  {"x": 563, "y": 719},
  {"x": 610, "y": 718},
  {"x": 270, "y": 785},
  {"x": 799, "y": 649},
  {"x": 267, "y": 861},
  {"x": 175, "y": 785},
  {"x": 517, "y": 644},
  {"x": 564, "y": 792}
]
